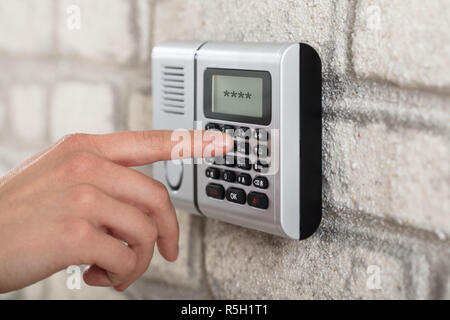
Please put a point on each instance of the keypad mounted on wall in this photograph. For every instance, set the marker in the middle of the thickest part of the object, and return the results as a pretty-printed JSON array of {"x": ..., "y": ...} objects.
[
  {"x": 268, "y": 96},
  {"x": 237, "y": 168}
]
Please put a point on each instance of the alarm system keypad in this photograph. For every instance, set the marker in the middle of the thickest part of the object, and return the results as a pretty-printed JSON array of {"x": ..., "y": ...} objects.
[
  {"x": 221, "y": 168},
  {"x": 268, "y": 96}
]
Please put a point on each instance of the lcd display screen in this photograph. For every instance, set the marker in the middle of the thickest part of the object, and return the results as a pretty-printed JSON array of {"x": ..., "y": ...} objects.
[{"x": 240, "y": 96}]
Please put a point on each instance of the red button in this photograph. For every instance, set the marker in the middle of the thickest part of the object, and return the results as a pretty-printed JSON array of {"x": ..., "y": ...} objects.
[
  {"x": 258, "y": 200},
  {"x": 215, "y": 191}
]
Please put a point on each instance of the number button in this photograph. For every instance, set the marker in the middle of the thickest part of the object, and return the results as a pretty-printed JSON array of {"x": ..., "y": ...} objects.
[
  {"x": 214, "y": 160},
  {"x": 261, "y": 166},
  {"x": 261, "y": 151},
  {"x": 230, "y": 160},
  {"x": 229, "y": 129},
  {"x": 261, "y": 182},
  {"x": 236, "y": 195},
  {"x": 212, "y": 173},
  {"x": 243, "y": 133},
  {"x": 243, "y": 147},
  {"x": 244, "y": 163},
  {"x": 219, "y": 160},
  {"x": 261, "y": 135},
  {"x": 229, "y": 176},
  {"x": 212, "y": 126},
  {"x": 244, "y": 179},
  {"x": 258, "y": 200},
  {"x": 215, "y": 191}
]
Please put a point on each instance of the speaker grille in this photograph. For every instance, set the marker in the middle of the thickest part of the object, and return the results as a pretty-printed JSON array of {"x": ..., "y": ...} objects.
[{"x": 173, "y": 90}]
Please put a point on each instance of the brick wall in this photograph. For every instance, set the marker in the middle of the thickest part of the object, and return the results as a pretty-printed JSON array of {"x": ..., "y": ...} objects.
[{"x": 386, "y": 136}]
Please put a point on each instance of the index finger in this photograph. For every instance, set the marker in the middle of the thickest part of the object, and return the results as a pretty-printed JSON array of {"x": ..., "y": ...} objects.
[{"x": 137, "y": 148}]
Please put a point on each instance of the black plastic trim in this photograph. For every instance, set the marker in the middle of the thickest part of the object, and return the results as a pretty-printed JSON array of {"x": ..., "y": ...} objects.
[{"x": 310, "y": 141}]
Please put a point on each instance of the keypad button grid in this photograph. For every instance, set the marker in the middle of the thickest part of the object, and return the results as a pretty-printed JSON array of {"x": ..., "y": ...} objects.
[{"x": 238, "y": 159}]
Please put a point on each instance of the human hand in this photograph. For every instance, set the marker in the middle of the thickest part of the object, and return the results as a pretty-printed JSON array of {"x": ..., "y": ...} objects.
[{"x": 78, "y": 202}]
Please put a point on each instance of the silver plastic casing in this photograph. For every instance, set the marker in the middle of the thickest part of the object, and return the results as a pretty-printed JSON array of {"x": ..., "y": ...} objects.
[
  {"x": 183, "y": 107},
  {"x": 282, "y": 62},
  {"x": 173, "y": 83}
]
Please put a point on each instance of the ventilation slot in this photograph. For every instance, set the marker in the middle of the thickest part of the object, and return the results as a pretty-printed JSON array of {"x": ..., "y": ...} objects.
[{"x": 173, "y": 93}]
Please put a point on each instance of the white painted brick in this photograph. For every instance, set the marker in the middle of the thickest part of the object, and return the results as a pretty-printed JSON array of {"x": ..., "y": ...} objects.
[
  {"x": 145, "y": 35},
  {"x": 256, "y": 20},
  {"x": 2, "y": 115},
  {"x": 406, "y": 42},
  {"x": 395, "y": 173},
  {"x": 4, "y": 168},
  {"x": 243, "y": 264},
  {"x": 167, "y": 14},
  {"x": 186, "y": 271},
  {"x": 105, "y": 34},
  {"x": 34, "y": 292},
  {"x": 145, "y": 290},
  {"x": 81, "y": 107},
  {"x": 140, "y": 112},
  {"x": 12, "y": 154},
  {"x": 56, "y": 289},
  {"x": 446, "y": 291},
  {"x": 28, "y": 113},
  {"x": 26, "y": 26},
  {"x": 15, "y": 295}
]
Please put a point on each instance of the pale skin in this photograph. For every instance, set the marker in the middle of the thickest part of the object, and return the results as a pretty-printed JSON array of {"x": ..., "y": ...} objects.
[{"x": 78, "y": 202}]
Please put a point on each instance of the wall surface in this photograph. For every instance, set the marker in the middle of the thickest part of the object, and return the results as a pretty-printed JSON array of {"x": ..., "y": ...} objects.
[{"x": 386, "y": 227}]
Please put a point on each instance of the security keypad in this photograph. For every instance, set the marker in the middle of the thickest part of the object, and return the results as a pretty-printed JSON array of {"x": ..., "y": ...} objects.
[
  {"x": 237, "y": 168},
  {"x": 268, "y": 97}
]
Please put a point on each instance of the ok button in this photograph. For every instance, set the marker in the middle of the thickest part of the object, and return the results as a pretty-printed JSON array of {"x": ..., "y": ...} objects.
[{"x": 236, "y": 195}]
